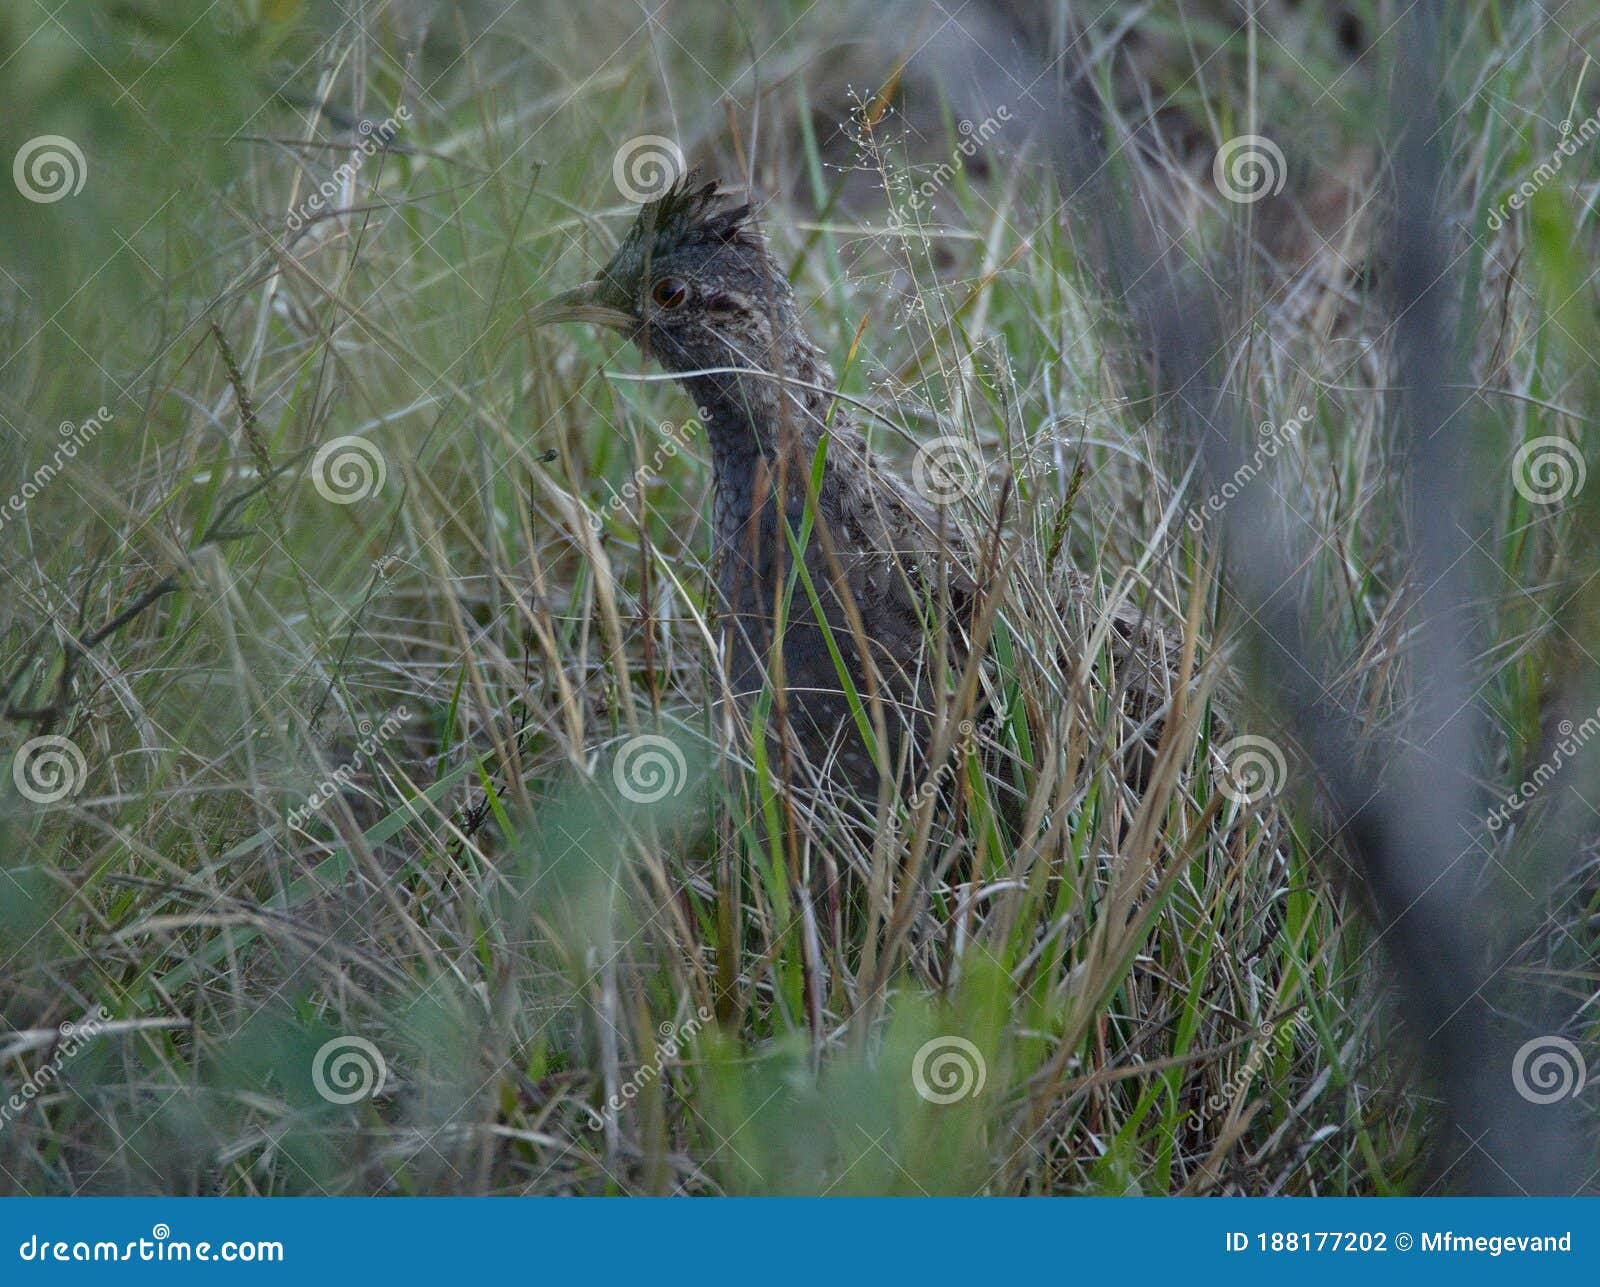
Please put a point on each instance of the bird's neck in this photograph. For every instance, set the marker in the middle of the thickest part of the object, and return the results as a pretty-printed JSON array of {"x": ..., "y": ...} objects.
[
  {"x": 780, "y": 407},
  {"x": 762, "y": 425},
  {"x": 764, "y": 429}
]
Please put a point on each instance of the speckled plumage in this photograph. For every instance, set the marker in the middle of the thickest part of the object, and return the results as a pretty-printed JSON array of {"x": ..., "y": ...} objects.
[{"x": 767, "y": 396}]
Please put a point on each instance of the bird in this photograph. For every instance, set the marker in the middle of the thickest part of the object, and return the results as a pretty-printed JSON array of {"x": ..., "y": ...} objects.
[{"x": 863, "y": 638}]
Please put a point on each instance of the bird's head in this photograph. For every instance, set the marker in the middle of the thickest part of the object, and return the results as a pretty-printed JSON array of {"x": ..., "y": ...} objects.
[{"x": 692, "y": 284}]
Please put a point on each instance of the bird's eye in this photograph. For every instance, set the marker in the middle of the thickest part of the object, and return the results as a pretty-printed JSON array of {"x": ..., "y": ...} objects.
[{"x": 670, "y": 292}]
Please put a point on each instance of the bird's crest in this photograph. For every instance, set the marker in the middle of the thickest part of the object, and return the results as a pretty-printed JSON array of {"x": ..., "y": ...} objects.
[{"x": 689, "y": 213}]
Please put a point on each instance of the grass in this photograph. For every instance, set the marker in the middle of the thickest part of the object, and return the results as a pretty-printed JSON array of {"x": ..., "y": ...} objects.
[{"x": 572, "y": 992}]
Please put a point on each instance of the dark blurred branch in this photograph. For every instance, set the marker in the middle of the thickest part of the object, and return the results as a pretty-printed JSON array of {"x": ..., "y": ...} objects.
[{"x": 1403, "y": 807}]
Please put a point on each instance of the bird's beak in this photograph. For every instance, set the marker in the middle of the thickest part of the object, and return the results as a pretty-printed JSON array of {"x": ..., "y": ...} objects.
[{"x": 581, "y": 304}]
